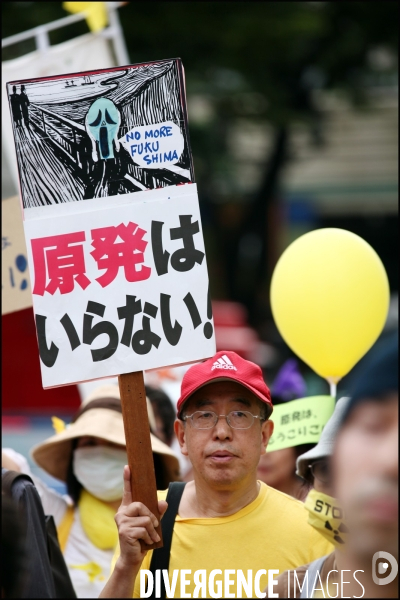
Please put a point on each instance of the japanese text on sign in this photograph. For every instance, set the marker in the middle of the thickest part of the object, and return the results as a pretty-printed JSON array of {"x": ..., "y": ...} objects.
[
  {"x": 300, "y": 421},
  {"x": 113, "y": 295},
  {"x": 62, "y": 256}
]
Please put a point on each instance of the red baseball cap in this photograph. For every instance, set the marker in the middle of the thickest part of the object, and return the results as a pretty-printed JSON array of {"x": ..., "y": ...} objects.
[{"x": 222, "y": 366}]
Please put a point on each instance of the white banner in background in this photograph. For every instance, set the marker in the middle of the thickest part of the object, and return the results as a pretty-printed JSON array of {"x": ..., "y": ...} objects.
[{"x": 89, "y": 51}]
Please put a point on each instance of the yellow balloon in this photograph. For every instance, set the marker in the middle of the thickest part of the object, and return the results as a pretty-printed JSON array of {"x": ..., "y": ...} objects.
[{"x": 330, "y": 299}]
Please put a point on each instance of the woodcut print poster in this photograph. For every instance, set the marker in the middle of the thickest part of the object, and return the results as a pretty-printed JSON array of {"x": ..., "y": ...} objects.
[{"x": 101, "y": 133}]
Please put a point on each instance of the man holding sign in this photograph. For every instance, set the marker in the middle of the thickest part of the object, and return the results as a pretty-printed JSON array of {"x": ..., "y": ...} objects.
[
  {"x": 120, "y": 286},
  {"x": 232, "y": 533}
]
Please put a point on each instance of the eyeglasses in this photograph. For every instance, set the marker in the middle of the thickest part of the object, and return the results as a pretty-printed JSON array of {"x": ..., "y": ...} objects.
[
  {"x": 207, "y": 419},
  {"x": 320, "y": 469}
]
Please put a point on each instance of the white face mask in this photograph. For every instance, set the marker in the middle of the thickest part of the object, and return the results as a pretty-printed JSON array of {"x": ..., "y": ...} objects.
[{"x": 100, "y": 470}]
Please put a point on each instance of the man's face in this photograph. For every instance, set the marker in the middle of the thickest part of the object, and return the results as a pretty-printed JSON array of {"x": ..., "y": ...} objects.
[
  {"x": 365, "y": 475},
  {"x": 224, "y": 457}
]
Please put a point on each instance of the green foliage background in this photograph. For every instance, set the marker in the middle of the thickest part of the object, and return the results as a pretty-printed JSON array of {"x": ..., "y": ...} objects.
[{"x": 253, "y": 61}]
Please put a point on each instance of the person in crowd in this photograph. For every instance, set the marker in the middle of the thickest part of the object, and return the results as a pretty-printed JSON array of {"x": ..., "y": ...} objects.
[
  {"x": 164, "y": 414},
  {"x": 314, "y": 468},
  {"x": 226, "y": 519},
  {"x": 89, "y": 455},
  {"x": 24, "y": 102},
  {"x": 277, "y": 468},
  {"x": 14, "y": 559},
  {"x": 16, "y": 107},
  {"x": 364, "y": 481},
  {"x": 46, "y": 574}
]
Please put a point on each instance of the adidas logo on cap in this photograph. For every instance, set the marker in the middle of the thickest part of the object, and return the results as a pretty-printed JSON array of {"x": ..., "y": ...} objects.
[{"x": 223, "y": 363}]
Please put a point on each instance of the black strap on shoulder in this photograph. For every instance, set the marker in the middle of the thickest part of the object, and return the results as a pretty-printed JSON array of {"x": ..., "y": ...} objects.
[
  {"x": 8, "y": 477},
  {"x": 160, "y": 558}
]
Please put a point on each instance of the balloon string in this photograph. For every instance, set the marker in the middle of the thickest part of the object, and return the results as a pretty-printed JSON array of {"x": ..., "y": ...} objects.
[{"x": 332, "y": 386}]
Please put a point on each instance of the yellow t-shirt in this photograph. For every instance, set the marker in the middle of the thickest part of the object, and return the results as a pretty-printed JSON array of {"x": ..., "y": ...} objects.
[{"x": 270, "y": 533}]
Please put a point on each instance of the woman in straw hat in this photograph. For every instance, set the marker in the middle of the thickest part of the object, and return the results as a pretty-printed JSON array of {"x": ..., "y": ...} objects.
[{"x": 89, "y": 456}]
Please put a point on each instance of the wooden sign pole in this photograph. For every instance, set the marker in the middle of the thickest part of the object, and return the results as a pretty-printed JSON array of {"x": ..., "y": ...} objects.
[{"x": 138, "y": 445}]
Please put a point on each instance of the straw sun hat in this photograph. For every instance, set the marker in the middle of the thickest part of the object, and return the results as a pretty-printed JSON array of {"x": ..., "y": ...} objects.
[{"x": 100, "y": 415}]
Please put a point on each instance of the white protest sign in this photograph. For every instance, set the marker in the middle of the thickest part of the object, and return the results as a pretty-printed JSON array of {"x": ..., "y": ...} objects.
[
  {"x": 15, "y": 287},
  {"x": 120, "y": 288},
  {"x": 154, "y": 146},
  {"x": 114, "y": 240}
]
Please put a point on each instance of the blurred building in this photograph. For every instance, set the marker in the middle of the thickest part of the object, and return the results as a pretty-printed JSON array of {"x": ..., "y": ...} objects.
[
  {"x": 353, "y": 170},
  {"x": 342, "y": 171}
]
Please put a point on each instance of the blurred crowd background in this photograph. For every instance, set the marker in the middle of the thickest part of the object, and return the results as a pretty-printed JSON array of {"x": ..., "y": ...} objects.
[{"x": 293, "y": 120}]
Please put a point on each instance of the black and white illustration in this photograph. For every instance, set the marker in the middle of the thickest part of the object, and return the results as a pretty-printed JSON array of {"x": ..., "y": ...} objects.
[{"x": 100, "y": 134}]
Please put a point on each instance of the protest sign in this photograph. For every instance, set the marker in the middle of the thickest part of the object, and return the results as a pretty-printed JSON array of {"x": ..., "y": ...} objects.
[
  {"x": 300, "y": 421},
  {"x": 15, "y": 288},
  {"x": 120, "y": 288},
  {"x": 114, "y": 239}
]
